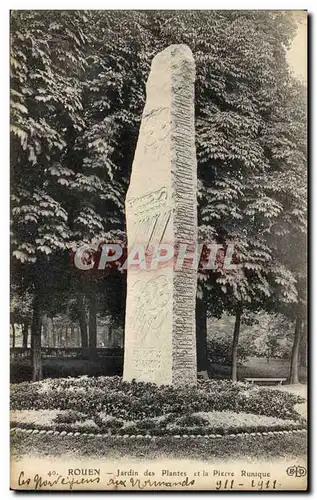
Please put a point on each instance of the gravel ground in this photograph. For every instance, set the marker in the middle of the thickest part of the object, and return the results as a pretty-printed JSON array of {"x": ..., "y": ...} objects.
[
  {"x": 301, "y": 390},
  {"x": 39, "y": 417}
]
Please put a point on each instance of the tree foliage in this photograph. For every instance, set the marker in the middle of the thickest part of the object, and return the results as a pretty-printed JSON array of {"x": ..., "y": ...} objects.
[{"x": 77, "y": 94}]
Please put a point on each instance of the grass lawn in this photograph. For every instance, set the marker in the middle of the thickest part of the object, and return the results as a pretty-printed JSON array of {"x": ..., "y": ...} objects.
[{"x": 258, "y": 367}]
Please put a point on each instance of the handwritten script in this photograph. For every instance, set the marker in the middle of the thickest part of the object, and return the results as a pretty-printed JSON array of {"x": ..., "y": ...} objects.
[
  {"x": 37, "y": 482},
  {"x": 148, "y": 483}
]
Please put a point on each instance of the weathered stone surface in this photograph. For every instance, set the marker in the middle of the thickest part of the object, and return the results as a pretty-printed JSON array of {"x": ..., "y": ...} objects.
[{"x": 161, "y": 208}]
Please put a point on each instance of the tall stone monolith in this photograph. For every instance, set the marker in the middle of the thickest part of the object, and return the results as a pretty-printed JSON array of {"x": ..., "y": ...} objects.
[{"x": 161, "y": 208}]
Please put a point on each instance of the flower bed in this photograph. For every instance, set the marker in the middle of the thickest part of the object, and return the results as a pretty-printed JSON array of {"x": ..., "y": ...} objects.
[
  {"x": 209, "y": 423},
  {"x": 139, "y": 401},
  {"x": 107, "y": 405}
]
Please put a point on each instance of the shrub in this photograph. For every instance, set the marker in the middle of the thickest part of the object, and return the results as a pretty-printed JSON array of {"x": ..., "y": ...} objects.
[
  {"x": 106, "y": 423},
  {"x": 130, "y": 428},
  {"x": 192, "y": 420},
  {"x": 219, "y": 348},
  {"x": 150, "y": 423},
  {"x": 24, "y": 396},
  {"x": 85, "y": 426},
  {"x": 70, "y": 417}
]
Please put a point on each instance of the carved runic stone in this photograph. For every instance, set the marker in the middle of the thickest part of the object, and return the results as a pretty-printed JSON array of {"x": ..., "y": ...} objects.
[{"x": 161, "y": 208}]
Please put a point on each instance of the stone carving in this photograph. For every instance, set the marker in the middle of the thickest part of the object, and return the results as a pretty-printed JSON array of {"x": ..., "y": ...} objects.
[
  {"x": 150, "y": 301},
  {"x": 160, "y": 344},
  {"x": 157, "y": 130},
  {"x": 149, "y": 360},
  {"x": 149, "y": 202},
  {"x": 152, "y": 216},
  {"x": 151, "y": 229}
]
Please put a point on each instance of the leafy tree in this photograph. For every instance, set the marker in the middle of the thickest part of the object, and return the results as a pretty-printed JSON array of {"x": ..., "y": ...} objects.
[
  {"x": 20, "y": 313},
  {"x": 250, "y": 158},
  {"x": 78, "y": 81},
  {"x": 47, "y": 63}
]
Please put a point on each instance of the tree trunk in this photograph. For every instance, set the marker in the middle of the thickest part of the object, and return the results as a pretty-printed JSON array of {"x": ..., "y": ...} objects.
[
  {"x": 36, "y": 331},
  {"x": 294, "y": 371},
  {"x": 54, "y": 334},
  {"x": 49, "y": 327},
  {"x": 25, "y": 334},
  {"x": 72, "y": 336},
  {"x": 236, "y": 333},
  {"x": 104, "y": 336},
  {"x": 44, "y": 325},
  {"x": 303, "y": 347},
  {"x": 201, "y": 337},
  {"x": 13, "y": 334},
  {"x": 92, "y": 327},
  {"x": 78, "y": 339},
  {"x": 109, "y": 341},
  {"x": 82, "y": 324},
  {"x": 124, "y": 301}
]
